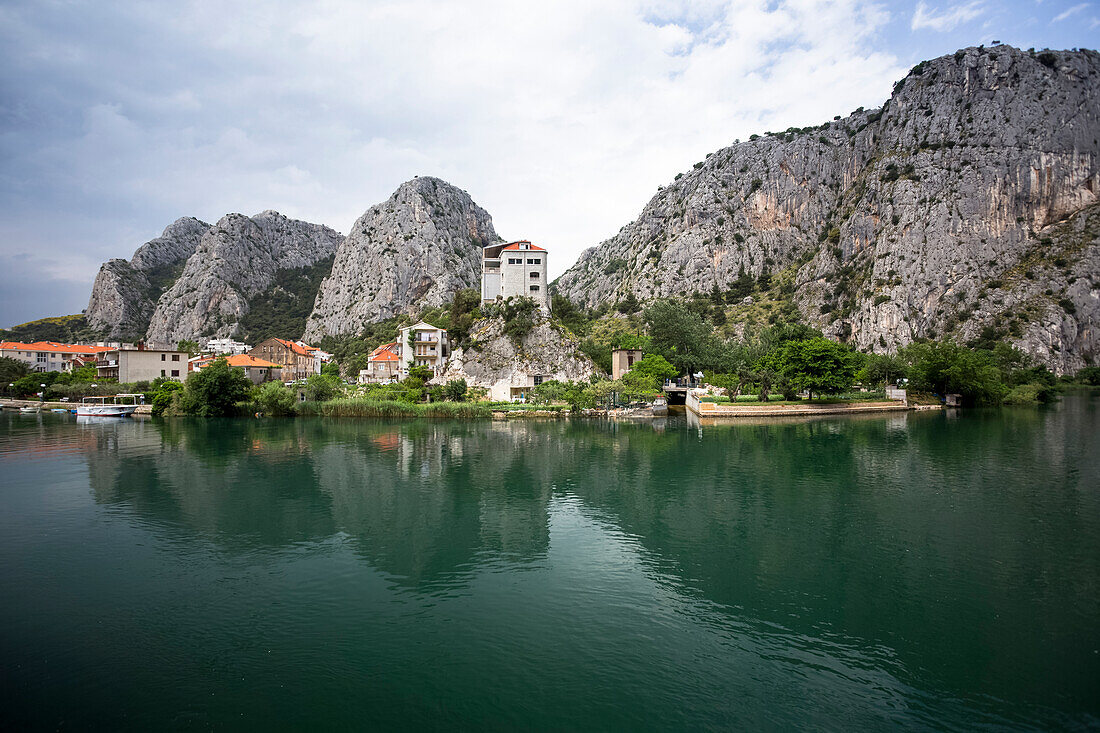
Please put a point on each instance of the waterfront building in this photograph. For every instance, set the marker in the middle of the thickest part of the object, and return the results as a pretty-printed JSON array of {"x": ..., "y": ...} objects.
[
  {"x": 296, "y": 360},
  {"x": 140, "y": 364},
  {"x": 256, "y": 369},
  {"x": 383, "y": 365},
  {"x": 51, "y": 356},
  {"x": 515, "y": 269},
  {"x": 622, "y": 360},
  {"x": 423, "y": 345}
]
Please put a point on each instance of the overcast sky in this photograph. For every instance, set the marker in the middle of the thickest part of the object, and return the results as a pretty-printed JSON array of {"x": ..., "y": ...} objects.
[{"x": 559, "y": 118}]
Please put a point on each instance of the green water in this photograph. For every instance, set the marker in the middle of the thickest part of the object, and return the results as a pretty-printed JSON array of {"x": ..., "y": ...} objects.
[{"x": 915, "y": 571}]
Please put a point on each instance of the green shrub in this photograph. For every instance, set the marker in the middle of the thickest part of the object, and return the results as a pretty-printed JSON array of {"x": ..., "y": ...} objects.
[{"x": 274, "y": 398}]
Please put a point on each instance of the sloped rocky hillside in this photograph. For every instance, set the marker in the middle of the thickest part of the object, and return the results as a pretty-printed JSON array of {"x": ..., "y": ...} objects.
[
  {"x": 412, "y": 251},
  {"x": 237, "y": 259},
  {"x": 125, "y": 292},
  {"x": 966, "y": 205}
]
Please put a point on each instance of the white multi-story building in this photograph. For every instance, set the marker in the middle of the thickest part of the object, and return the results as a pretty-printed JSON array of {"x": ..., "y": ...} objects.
[
  {"x": 50, "y": 356},
  {"x": 225, "y": 346},
  {"x": 423, "y": 345},
  {"x": 516, "y": 269}
]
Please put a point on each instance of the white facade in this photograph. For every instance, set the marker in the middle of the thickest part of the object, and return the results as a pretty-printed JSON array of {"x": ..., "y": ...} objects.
[
  {"x": 137, "y": 365},
  {"x": 225, "y": 346},
  {"x": 49, "y": 356},
  {"x": 423, "y": 345},
  {"x": 516, "y": 269}
]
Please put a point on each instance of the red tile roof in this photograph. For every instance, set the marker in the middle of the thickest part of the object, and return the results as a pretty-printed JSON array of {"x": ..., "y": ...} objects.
[
  {"x": 296, "y": 348},
  {"x": 247, "y": 360},
  {"x": 530, "y": 247},
  {"x": 384, "y": 352},
  {"x": 54, "y": 347}
]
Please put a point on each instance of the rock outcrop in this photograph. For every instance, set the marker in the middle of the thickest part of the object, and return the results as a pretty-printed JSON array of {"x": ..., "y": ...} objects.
[
  {"x": 412, "y": 251},
  {"x": 491, "y": 359},
  {"x": 237, "y": 259},
  {"x": 965, "y": 205},
  {"x": 125, "y": 293}
]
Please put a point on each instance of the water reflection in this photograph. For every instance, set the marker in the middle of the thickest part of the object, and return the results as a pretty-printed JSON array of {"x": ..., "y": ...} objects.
[{"x": 954, "y": 553}]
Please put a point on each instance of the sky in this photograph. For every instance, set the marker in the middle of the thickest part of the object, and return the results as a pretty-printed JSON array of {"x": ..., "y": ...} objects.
[{"x": 561, "y": 119}]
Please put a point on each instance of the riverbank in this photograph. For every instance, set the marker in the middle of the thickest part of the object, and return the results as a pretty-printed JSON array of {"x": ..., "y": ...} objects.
[
  {"x": 731, "y": 410},
  {"x": 6, "y": 404}
]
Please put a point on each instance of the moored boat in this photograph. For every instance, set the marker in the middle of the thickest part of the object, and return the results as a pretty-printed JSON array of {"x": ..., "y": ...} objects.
[
  {"x": 120, "y": 405},
  {"x": 29, "y": 409}
]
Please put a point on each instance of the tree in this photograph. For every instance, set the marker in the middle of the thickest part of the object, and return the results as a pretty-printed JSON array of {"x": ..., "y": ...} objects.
[
  {"x": 879, "y": 369},
  {"x": 1089, "y": 375},
  {"x": 320, "y": 388},
  {"x": 191, "y": 347},
  {"x": 814, "y": 365},
  {"x": 946, "y": 367},
  {"x": 685, "y": 339},
  {"x": 215, "y": 390},
  {"x": 656, "y": 366},
  {"x": 163, "y": 395},
  {"x": 455, "y": 390},
  {"x": 11, "y": 370},
  {"x": 421, "y": 372},
  {"x": 519, "y": 318},
  {"x": 331, "y": 369},
  {"x": 274, "y": 398},
  {"x": 629, "y": 304}
]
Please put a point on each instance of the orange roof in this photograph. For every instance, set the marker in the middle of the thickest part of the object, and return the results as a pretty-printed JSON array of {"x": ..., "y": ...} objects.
[
  {"x": 54, "y": 347},
  {"x": 384, "y": 353},
  {"x": 516, "y": 245},
  {"x": 296, "y": 348},
  {"x": 247, "y": 360}
]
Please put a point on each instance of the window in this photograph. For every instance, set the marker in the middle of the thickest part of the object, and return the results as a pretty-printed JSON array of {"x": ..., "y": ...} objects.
[
  {"x": 514, "y": 261},
  {"x": 538, "y": 379},
  {"x": 175, "y": 357},
  {"x": 534, "y": 276},
  {"x": 534, "y": 288},
  {"x": 536, "y": 261},
  {"x": 175, "y": 372},
  {"x": 162, "y": 359},
  {"x": 162, "y": 373}
]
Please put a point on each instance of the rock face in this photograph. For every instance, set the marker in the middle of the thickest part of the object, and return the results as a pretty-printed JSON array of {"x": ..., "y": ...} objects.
[
  {"x": 965, "y": 205},
  {"x": 126, "y": 292},
  {"x": 236, "y": 259},
  {"x": 409, "y": 252},
  {"x": 493, "y": 361}
]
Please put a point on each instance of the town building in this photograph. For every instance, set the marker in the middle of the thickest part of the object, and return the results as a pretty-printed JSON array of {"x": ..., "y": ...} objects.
[
  {"x": 515, "y": 269},
  {"x": 320, "y": 358},
  {"x": 256, "y": 369},
  {"x": 296, "y": 360},
  {"x": 383, "y": 365},
  {"x": 225, "y": 346},
  {"x": 423, "y": 345},
  {"x": 51, "y": 356},
  {"x": 142, "y": 365},
  {"x": 622, "y": 360}
]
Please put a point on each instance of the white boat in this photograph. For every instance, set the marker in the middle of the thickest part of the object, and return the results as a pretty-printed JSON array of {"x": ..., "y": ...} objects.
[
  {"x": 120, "y": 405},
  {"x": 29, "y": 409}
]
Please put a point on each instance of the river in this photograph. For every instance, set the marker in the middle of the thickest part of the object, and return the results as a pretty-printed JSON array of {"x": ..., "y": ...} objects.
[{"x": 913, "y": 571}]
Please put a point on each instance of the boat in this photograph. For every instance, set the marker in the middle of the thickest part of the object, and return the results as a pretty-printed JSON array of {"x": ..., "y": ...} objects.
[
  {"x": 30, "y": 409},
  {"x": 120, "y": 405},
  {"x": 60, "y": 409}
]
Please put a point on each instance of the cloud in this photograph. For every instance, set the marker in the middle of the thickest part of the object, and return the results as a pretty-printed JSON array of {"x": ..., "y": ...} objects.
[
  {"x": 945, "y": 20},
  {"x": 561, "y": 119},
  {"x": 1068, "y": 12}
]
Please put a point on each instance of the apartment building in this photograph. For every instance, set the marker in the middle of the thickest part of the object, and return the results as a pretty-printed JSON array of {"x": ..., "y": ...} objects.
[
  {"x": 51, "y": 356},
  {"x": 296, "y": 360},
  {"x": 423, "y": 345},
  {"x": 515, "y": 269},
  {"x": 142, "y": 365}
]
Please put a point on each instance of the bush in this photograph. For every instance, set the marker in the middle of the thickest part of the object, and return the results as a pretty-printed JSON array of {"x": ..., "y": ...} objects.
[
  {"x": 455, "y": 390},
  {"x": 519, "y": 318},
  {"x": 274, "y": 398},
  {"x": 320, "y": 388},
  {"x": 215, "y": 390},
  {"x": 1089, "y": 375},
  {"x": 164, "y": 394}
]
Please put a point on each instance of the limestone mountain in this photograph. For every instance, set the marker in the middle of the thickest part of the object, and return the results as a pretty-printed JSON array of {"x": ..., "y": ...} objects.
[
  {"x": 125, "y": 292},
  {"x": 237, "y": 262},
  {"x": 966, "y": 206},
  {"x": 412, "y": 251}
]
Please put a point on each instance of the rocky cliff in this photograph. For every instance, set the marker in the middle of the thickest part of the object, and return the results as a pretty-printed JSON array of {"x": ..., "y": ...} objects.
[
  {"x": 412, "y": 251},
  {"x": 236, "y": 260},
  {"x": 966, "y": 205},
  {"x": 492, "y": 360},
  {"x": 125, "y": 293}
]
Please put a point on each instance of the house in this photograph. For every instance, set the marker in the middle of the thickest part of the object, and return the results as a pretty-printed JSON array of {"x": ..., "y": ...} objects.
[
  {"x": 296, "y": 360},
  {"x": 423, "y": 345},
  {"x": 256, "y": 369},
  {"x": 622, "y": 360},
  {"x": 383, "y": 365},
  {"x": 320, "y": 358},
  {"x": 515, "y": 269},
  {"x": 51, "y": 356},
  {"x": 518, "y": 388},
  {"x": 225, "y": 346},
  {"x": 139, "y": 364}
]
